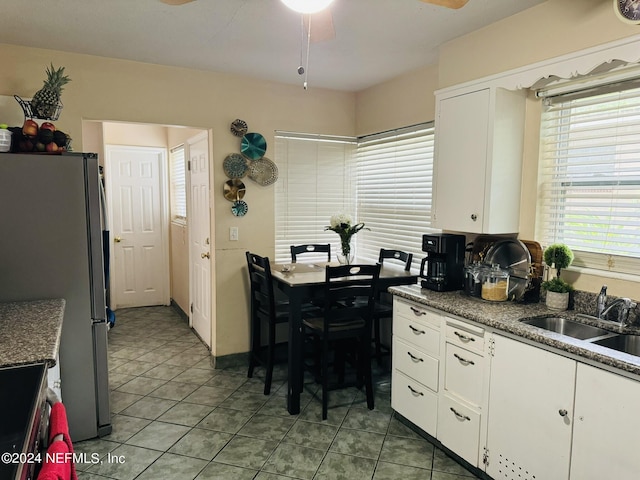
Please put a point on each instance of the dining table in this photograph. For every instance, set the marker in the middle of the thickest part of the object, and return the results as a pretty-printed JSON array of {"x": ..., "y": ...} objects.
[{"x": 302, "y": 282}]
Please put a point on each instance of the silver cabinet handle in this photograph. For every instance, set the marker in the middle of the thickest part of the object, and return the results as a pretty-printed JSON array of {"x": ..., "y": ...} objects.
[
  {"x": 417, "y": 312},
  {"x": 464, "y": 361},
  {"x": 562, "y": 412},
  {"x": 464, "y": 338},
  {"x": 414, "y": 358},
  {"x": 416, "y": 331},
  {"x": 415, "y": 392},
  {"x": 459, "y": 415}
]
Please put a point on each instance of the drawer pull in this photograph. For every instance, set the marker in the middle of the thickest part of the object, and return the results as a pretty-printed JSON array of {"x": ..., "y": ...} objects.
[
  {"x": 415, "y": 392},
  {"x": 414, "y": 358},
  {"x": 464, "y": 338},
  {"x": 459, "y": 415},
  {"x": 464, "y": 361},
  {"x": 416, "y": 331},
  {"x": 563, "y": 412},
  {"x": 417, "y": 312}
]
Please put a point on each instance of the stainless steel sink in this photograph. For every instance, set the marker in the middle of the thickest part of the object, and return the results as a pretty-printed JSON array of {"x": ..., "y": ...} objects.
[
  {"x": 622, "y": 343},
  {"x": 566, "y": 327}
]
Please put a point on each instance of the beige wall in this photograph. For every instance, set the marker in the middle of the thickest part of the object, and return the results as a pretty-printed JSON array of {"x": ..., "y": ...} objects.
[
  {"x": 117, "y": 90},
  {"x": 400, "y": 102},
  {"x": 551, "y": 29}
]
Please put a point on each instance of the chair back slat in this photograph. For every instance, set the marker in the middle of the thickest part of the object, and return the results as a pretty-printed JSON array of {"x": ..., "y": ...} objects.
[
  {"x": 262, "y": 292},
  {"x": 349, "y": 294},
  {"x": 397, "y": 255},
  {"x": 311, "y": 250}
]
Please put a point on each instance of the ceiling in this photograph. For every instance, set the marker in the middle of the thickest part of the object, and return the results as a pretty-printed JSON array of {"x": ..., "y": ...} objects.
[{"x": 375, "y": 40}]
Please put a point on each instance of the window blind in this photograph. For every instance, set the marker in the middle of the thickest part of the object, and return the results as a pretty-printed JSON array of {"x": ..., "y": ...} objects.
[
  {"x": 394, "y": 190},
  {"x": 589, "y": 176},
  {"x": 178, "y": 184},
  {"x": 316, "y": 181}
]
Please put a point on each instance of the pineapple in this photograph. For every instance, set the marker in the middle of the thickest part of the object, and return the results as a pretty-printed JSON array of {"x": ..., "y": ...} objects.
[{"x": 45, "y": 101}]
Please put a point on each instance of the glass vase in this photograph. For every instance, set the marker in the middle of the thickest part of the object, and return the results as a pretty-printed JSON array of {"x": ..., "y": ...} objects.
[{"x": 345, "y": 256}]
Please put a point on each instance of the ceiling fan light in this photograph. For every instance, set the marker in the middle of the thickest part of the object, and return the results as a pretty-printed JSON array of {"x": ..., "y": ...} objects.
[{"x": 307, "y": 6}]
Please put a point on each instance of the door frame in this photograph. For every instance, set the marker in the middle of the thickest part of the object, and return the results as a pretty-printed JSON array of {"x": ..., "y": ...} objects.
[
  {"x": 205, "y": 134},
  {"x": 163, "y": 181}
]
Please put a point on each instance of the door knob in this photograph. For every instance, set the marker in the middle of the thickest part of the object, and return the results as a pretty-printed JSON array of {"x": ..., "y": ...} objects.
[
  {"x": 204, "y": 255},
  {"x": 117, "y": 239}
]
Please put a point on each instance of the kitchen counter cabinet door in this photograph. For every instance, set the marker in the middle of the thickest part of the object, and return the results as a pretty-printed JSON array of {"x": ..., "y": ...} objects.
[
  {"x": 531, "y": 393},
  {"x": 478, "y": 168},
  {"x": 607, "y": 426}
]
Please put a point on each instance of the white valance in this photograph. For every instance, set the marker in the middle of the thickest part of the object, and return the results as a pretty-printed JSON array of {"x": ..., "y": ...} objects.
[{"x": 595, "y": 60}]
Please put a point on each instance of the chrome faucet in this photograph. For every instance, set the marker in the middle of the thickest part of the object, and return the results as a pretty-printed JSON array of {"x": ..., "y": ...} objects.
[
  {"x": 601, "y": 301},
  {"x": 623, "y": 311}
]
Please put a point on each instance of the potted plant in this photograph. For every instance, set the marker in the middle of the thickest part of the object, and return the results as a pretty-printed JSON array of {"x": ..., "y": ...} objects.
[{"x": 557, "y": 256}]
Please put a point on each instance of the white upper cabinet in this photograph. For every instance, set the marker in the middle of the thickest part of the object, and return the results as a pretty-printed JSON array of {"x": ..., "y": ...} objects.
[{"x": 478, "y": 160}]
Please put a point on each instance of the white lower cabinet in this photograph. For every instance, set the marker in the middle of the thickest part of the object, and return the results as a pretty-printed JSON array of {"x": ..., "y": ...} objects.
[
  {"x": 415, "y": 374},
  {"x": 531, "y": 394},
  {"x": 462, "y": 398},
  {"x": 606, "y": 429},
  {"x": 512, "y": 409}
]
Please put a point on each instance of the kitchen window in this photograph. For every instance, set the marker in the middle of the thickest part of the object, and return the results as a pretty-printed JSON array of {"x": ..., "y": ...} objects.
[
  {"x": 589, "y": 175},
  {"x": 178, "y": 185},
  {"x": 383, "y": 180},
  {"x": 316, "y": 180},
  {"x": 394, "y": 190}
]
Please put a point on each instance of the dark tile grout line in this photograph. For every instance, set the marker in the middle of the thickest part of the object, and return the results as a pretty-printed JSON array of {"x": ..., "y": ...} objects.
[{"x": 196, "y": 346}]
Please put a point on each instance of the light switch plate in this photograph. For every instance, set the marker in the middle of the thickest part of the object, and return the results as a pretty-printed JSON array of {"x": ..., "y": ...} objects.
[{"x": 233, "y": 234}]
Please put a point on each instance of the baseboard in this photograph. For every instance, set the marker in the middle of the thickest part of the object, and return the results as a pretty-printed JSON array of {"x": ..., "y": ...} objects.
[
  {"x": 178, "y": 309},
  {"x": 231, "y": 361}
]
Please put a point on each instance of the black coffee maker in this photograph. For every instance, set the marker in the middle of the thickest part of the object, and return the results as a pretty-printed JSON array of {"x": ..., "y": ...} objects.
[{"x": 444, "y": 262}]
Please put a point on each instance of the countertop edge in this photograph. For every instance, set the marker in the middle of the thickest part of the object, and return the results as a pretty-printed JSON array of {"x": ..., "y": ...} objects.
[
  {"x": 506, "y": 316},
  {"x": 30, "y": 332}
]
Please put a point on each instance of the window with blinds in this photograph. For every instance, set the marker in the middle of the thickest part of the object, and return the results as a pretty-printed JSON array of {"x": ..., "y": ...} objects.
[
  {"x": 394, "y": 190},
  {"x": 589, "y": 176},
  {"x": 178, "y": 184},
  {"x": 316, "y": 180}
]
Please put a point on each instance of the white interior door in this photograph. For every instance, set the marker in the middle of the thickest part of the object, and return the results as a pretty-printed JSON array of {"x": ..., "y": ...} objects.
[
  {"x": 140, "y": 272},
  {"x": 200, "y": 247}
]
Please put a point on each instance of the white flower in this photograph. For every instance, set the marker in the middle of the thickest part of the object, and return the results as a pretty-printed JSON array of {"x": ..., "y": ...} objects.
[{"x": 340, "y": 219}]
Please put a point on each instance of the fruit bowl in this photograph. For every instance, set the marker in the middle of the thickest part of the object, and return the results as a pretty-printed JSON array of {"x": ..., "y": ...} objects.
[{"x": 30, "y": 113}]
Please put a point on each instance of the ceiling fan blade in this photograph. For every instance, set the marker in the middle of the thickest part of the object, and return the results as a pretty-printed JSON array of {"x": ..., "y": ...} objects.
[
  {"x": 321, "y": 26},
  {"x": 448, "y": 3},
  {"x": 176, "y": 2}
]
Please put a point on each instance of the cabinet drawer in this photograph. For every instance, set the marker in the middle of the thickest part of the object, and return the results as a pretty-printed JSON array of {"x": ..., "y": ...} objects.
[
  {"x": 464, "y": 373},
  {"x": 465, "y": 335},
  {"x": 416, "y": 312},
  {"x": 416, "y": 364},
  {"x": 417, "y": 333},
  {"x": 415, "y": 402},
  {"x": 459, "y": 429}
]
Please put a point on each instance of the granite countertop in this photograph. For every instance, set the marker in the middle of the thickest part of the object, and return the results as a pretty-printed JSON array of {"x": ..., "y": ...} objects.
[
  {"x": 30, "y": 332},
  {"x": 506, "y": 316}
]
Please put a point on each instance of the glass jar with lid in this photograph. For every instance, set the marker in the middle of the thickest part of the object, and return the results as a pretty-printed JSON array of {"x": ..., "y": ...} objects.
[{"x": 495, "y": 286}]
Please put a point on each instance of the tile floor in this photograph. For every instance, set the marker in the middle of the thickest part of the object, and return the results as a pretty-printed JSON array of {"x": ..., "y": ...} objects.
[{"x": 175, "y": 417}]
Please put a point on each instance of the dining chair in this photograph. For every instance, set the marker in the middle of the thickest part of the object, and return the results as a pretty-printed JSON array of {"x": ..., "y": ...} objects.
[
  {"x": 264, "y": 309},
  {"x": 345, "y": 327},
  {"x": 310, "y": 249},
  {"x": 383, "y": 307}
]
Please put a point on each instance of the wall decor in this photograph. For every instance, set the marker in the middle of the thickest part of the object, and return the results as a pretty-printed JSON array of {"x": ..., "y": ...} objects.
[
  {"x": 234, "y": 190},
  {"x": 263, "y": 171},
  {"x": 239, "y": 208},
  {"x": 627, "y": 10},
  {"x": 253, "y": 146},
  {"x": 239, "y": 127},
  {"x": 235, "y": 165}
]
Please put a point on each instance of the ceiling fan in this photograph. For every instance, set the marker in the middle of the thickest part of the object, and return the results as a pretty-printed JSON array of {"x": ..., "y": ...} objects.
[{"x": 323, "y": 20}]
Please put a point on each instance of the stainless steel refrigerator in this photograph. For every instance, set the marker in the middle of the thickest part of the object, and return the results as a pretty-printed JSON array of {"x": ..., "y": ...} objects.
[{"x": 51, "y": 247}]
